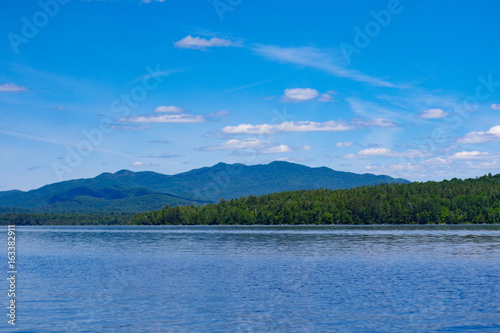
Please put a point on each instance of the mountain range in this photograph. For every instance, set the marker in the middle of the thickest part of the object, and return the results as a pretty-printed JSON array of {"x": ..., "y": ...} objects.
[{"x": 131, "y": 192}]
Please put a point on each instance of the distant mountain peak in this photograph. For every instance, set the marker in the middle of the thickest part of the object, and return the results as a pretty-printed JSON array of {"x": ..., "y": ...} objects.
[
  {"x": 129, "y": 191},
  {"x": 124, "y": 172}
]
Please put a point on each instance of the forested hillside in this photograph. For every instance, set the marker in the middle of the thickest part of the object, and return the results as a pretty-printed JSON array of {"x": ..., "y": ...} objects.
[
  {"x": 133, "y": 192},
  {"x": 454, "y": 201}
]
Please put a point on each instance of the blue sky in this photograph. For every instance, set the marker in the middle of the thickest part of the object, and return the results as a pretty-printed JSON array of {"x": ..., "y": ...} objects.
[{"x": 405, "y": 88}]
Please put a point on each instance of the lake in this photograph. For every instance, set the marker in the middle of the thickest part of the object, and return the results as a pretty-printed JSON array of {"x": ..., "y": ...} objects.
[{"x": 256, "y": 279}]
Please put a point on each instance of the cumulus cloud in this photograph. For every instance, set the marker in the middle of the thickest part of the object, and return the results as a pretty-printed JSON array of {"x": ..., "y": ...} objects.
[
  {"x": 276, "y": 149},
  {"x": 299, "y": 94},
  {"x": 190, "y": 42},
  {"x": 10, "y": 87},
  {"x": 170, "y": 109},
  {"x": 467, "y": 155},
  {"x": 375, "y": 152},
  {"x": 344, "y": 144},
  {"x": 432, "y": 114},
  {"x": 495, "y": 106},
  {"x": 290, "y": 126},
  {"x": 493, "y": 134},
  {"x": 263, "y": 147},
  {"x": 306, "y": 126}
]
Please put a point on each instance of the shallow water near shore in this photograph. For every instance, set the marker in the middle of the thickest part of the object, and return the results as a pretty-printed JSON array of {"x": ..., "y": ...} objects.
[{"x": 257, "y": 279}]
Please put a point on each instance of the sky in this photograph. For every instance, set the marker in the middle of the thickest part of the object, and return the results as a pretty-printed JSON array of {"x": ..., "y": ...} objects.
[{"x": 405, "y": 88}]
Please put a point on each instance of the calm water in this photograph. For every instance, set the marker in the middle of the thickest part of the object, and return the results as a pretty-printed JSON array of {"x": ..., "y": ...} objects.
[{"x": 258, "y": 279}]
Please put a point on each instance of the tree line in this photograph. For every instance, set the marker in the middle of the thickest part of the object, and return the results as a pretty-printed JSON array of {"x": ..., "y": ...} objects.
[
  {"x": 26, "y": 218},
  {"x": 448, "y": 202}
]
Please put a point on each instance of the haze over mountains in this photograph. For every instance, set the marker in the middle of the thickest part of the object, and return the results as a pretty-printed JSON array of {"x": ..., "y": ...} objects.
[{"x": 130, "y": 192}]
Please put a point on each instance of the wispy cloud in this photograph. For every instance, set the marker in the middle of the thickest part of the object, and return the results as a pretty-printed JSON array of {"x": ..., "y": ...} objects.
[
  {"x": 432, "y": 114},
  {"x": 315, "y": 58},
  {"x": 164, "y": 114},
  {"x": 327, "y": 97},
  {"x": 219, "y": 113},
  {"x": 164, "y": 155},
  {"x": 139, "y": 164},
  {"x": 495, "y": 106},
  {"x": 170, "y": 109},
  {"x": 493, "y": 134},
  {"x": 198, "y": 43},
  {"x": 386, "y": 152},
  {"x": 10, "y": 87},
  {"x": 160, "y": 141},
  {"x": 344, "y": 144}
]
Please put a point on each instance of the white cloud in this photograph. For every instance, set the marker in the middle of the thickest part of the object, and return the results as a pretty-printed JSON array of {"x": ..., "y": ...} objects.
[
  {"x": 276, "y": 149},
  {"x": 493, "y": 134},
  {"x": 170, "y": 109},
  {"x": 386, "y": 152},
  {"x": 466, "y": 155},
  {"x": 291, "y": 126},
  {"x": 264, "y": 147},
  {"x": 248, "y": 129},
  {"x": 486, "y": 166},
  {"x": 299, "y": 94},
  {"x": 375, "y": 152},
  {"x": 326, "y": 98},
  {"x": 379, "y": 122},
  {"x": 495, "y": 106},
  {"x": 306, "y": 126},
  {"x": 344, "y": 144},
  {"x": 167, "y": 118},
  {"x": 436, "y": 161},
  {"x": 315, "y": 58},
  {"x": 10, "y": 87},
  {"x": 142, "y": 164},
  {"x": 432, "y": 114},
  {"x": 149, "y": 1},
  {"x": 198, "y": 43}
]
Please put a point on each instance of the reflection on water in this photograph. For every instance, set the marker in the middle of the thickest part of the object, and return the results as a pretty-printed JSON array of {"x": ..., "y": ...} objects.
[{"x": 226, "y": 279}]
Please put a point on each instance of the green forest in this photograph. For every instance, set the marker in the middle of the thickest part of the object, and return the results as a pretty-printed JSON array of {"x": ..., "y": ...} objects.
[
  {"x": 25, "y": 218},
  {"x": 447, "y": 202}
]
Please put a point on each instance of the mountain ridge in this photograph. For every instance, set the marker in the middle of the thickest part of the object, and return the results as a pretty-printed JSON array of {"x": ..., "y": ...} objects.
[{"x": 129, "y": 191}]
